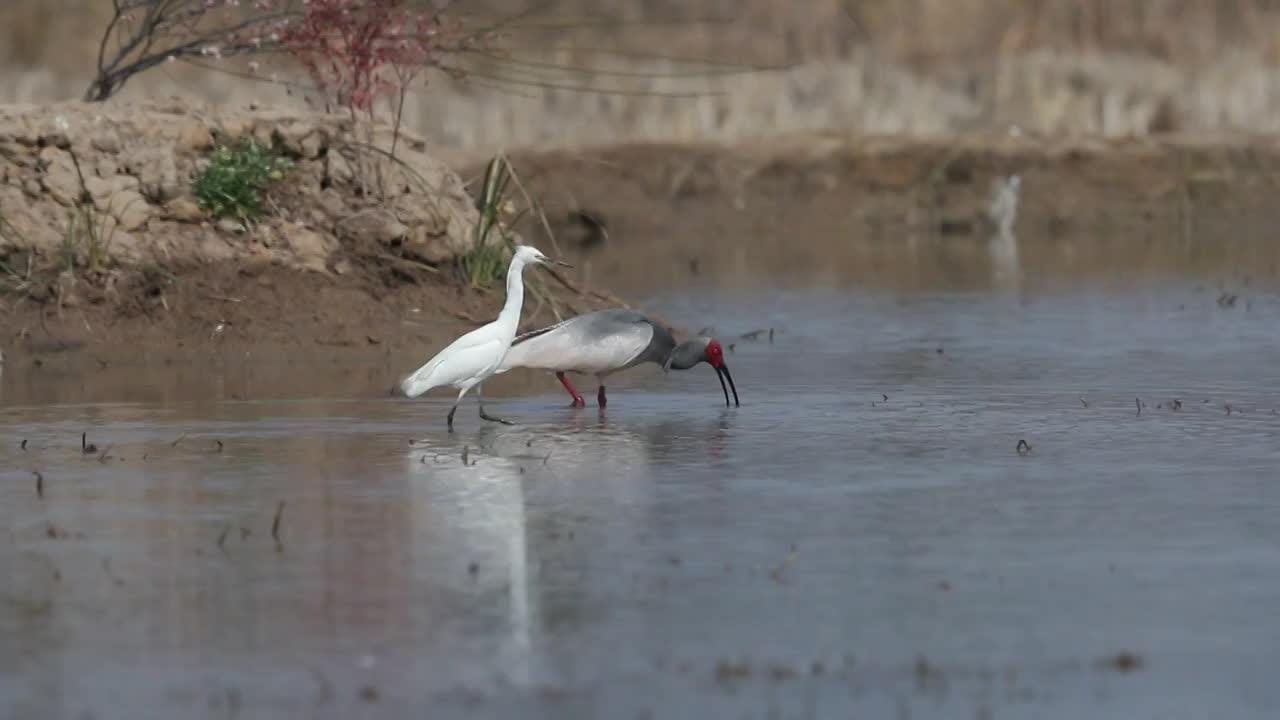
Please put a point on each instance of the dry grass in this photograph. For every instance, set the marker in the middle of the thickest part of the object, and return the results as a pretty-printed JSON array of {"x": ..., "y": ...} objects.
[{"x": 598, "y": 71}]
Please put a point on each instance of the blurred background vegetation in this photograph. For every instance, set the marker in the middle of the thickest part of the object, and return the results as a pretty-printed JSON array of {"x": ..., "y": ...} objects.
[{"x": 575, "y": 72}]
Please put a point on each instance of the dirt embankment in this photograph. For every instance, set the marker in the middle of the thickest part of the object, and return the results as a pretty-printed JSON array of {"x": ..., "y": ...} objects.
[
  {"x": 106, "y": 243},
  {"x": 371, "y": 277},
  {"x": 903, "y": 213}
]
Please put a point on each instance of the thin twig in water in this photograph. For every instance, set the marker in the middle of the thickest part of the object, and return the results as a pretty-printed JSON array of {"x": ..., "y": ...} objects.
[
  {"x": 106, "y": 568},
  {"x": 181, "y": 437},
  {"x": 39, "y": 484},
  {"x": 776, "y": 572},
  {"x": 275, "y": 525},
  {"x": 222, "y": 538},
  {"x": 1138, "y": 402}
]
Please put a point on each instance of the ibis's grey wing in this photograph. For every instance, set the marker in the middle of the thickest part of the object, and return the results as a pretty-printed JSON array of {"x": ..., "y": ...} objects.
[{"x": 601, "y": 341}]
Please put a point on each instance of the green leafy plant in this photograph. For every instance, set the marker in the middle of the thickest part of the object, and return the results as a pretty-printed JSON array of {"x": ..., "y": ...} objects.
[
  {"x": 88, "y": 231},
  {"x": 487, "y": 261},
  {"x": 233, "y": 184}
]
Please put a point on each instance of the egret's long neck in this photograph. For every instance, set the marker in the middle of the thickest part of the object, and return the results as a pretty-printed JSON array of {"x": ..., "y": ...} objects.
[{"x": 510, "y": 315}]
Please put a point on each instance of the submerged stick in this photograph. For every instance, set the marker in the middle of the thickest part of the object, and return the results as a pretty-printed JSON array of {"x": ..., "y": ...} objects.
[
  {"x": 275, "y": 524},
  {"x": 39, "y": 484}
]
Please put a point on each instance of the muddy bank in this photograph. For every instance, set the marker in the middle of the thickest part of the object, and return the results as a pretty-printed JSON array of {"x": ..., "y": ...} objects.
[
  {"x": 126, "y": 229},
  {"x": 906, "y": 214},
  {"x": 896, "y": 215}
]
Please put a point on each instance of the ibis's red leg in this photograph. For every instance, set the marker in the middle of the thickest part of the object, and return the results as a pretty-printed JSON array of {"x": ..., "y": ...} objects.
[
  {"x": 577, "y": 396},
  {"x": 600, "y": 398}
]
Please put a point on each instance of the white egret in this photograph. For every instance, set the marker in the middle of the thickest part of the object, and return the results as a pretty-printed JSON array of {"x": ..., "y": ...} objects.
[{"x": 471, "y": 359}]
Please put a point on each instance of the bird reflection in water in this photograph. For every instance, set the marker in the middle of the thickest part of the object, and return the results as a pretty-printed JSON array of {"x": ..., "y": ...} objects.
[{"x": 507, "y": 519}]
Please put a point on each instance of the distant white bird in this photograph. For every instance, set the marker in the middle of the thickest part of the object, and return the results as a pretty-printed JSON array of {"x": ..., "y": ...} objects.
[
  {"x": 604, "y": 342},
  {"x": 471, "y": 359}
]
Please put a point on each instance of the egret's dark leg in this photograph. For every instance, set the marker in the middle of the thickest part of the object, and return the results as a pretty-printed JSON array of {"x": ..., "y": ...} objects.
[
  {"x": 454, "y": 409},
  {"x": 484, "y": 415},
  {"x": 600, "y": 398},
  {"x": 577, "y": 396}
]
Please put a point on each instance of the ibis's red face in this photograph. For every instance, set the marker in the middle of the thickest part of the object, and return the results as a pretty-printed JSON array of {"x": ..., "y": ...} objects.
[
  {"x": 715, "y": 354},
  {"x": 715, "y": 358},
  {"x": 697, "y": 351}
]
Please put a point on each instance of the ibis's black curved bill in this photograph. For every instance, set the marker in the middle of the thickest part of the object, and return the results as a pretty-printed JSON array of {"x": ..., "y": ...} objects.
[{"x": 722, "y": 372}]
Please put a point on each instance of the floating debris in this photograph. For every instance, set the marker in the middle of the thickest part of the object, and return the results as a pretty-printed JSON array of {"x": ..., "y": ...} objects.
[
  {"x": 86, "y": 447},
  {"x": 23, "y": 445},
  {"x": 729, "y": 672},
  {"x": 779, "y": 672},
  {"x": 1023, "y": 448},
  {"x": 219, "y": 444},
  {"x": 181, "y": 437},
  {"x": 1124, "y": 662},
  {"x": 222, "y": 538},
  {"x": 1138, "y": 402},
  {"x": 1083, "y": 402},
  {"x": 39, "y": 484}
]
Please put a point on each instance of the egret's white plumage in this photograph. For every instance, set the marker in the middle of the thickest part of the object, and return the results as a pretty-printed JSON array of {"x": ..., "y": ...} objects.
[{"x": 471, "y": 359}]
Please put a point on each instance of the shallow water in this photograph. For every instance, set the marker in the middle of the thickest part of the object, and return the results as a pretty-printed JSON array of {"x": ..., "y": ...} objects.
[{"x": 862, "y": 536}]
